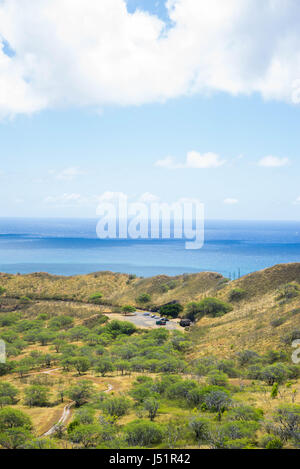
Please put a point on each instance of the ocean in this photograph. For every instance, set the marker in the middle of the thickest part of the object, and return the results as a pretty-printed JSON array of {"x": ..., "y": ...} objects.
[{"x": 70, "y": 247}]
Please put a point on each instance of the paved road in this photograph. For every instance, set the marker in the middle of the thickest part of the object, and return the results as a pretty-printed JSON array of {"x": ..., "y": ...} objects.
[{"x": 146, "y": 321}]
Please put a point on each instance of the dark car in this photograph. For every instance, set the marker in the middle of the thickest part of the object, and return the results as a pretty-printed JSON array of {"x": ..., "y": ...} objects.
[
  {"x": 160, "y": 322},
  {"x": 185, "y": 322}
]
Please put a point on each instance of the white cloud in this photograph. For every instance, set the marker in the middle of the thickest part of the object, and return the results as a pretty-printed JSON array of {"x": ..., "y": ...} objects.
[
  {"x": 68, "y": 174},
  {"x": 231, "y": 201},
  {"x": 273, "y": 162},
  {"x": 94, "y": 53},
  {"x": 193, "y": 160},
  {"x": 297, "y": 201}
]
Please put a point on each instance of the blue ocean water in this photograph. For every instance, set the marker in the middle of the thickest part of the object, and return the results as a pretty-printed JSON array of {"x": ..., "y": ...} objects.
[{"x": 70, "y": 247}]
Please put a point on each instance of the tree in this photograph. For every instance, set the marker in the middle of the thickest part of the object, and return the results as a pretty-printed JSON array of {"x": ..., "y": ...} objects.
[
  {"x": 13, "y": 418},
  {"x": 36, "y": 396},
  {"x": 86, "y": 435},
  {"x": 193, "y": 309},
  {"x": 218, "y": 401},
  {"x": 172, "y": 310},
  {"x": 2, "y": 290},
  {"x": 104, "y": 366},
  {"x": 127, "y": 309},
  {"x": 274, "y": 374},
  {"x": 81, "y": 364},
  {"x": 45, "y": 337},
  {"x": 152, "y": 406},
  {"x": 80, "y": 392},
  {"x": 15, "y": 438},
  {"x": 287, "y": 418},
  {"x": 8, "y": 393},
  {"x": 116, "y": 406}
]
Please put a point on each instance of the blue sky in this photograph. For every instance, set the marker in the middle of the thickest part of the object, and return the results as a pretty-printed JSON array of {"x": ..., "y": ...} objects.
[{"x": 59, "y": 153}]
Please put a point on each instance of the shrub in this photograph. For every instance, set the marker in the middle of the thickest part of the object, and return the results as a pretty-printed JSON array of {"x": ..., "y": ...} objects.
[
  {"x": 271, "y": 441},
  {"x": 96, "y": 298},
  {"x": 143, "y": 433},
  {"x": 244, "y": 413},
  {"x": 217, "y": 378},
  {"x": 291, "y": 336},
  {"x": 200, "y": 428},
  {"x": 116, "y": 406},
  {"x": 237, "y": 294},
  {"x": 80, "y": 392},
  {"x": 144, "y": 298},
  {"x": 288, "y": 292},
  {"x": 278, "y": 322},
  {"x": 213, "y": 307}
]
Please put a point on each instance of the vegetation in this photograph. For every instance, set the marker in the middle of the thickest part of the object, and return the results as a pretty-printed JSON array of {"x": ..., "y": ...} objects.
[{"x": 226, "y": 383}]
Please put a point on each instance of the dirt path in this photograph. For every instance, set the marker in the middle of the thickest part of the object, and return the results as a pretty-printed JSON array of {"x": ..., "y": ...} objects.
[{"x": 66, "y": 413}]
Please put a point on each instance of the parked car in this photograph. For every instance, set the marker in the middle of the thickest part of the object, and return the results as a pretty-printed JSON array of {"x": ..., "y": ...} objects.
[
  {"x": 153, "y": 316},
  {"x": 161, "y": 323},
  {"x": 146, "y": 314},
  {"x": 185, "y": 322}
]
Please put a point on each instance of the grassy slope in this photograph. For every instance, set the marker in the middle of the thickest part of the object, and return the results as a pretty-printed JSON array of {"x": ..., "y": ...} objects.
[
  {"x": 248, "y": 326},
  {"x": 116, "y": 288}
]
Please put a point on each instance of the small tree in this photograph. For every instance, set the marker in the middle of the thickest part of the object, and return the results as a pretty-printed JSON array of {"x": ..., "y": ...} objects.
[
  {"x": 14, "y": 418},
  {"x": 172, "y": 310},
  {"x": 128, "y": 309},
  {"x": 8, "y": 393},
  {"x": 104, "y": 366},
  {"x": 81, "y": 364},
  {"x": 116, "y": 406},
  {"x": 88, "y": 436},
  {"x": 36, "y": 396},
  {"x": 218, "y": 401},
  {"x": 80, "y": 392},
  {"x": 152, "y": 406}
]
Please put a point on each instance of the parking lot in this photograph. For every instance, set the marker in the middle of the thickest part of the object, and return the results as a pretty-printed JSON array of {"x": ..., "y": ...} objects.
[{"x": 146, "y": 321}]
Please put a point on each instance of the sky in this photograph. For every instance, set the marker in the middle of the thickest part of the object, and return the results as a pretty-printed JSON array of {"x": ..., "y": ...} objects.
[{"x": 157, "y": 100}]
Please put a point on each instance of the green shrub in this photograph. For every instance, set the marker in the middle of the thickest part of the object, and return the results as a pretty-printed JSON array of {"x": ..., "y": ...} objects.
[
  {"x": 271, "y": 442},
  {"x": 237, "y": 294},
  {"x": 96, "y": 298},
  {"x": 213, "y": 307},
  {"x": 144, "y": 298},
  {"x": 143, "y": 433}
]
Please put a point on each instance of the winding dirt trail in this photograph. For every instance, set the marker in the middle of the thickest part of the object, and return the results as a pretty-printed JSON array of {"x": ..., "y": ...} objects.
[{"x": 66, "y": 412}]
